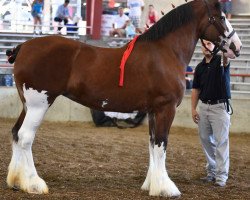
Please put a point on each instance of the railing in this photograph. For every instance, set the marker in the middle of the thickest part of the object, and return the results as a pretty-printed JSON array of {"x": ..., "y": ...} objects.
[
  {"x": 242, "y": 75},
  {"x": 17, "y": 27},
  {"x": 233, "y": 83},
  {"x": 9, "y": 66}
]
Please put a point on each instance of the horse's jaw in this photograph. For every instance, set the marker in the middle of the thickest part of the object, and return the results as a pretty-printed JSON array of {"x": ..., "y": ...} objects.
[{"x": 230, "y": 54}]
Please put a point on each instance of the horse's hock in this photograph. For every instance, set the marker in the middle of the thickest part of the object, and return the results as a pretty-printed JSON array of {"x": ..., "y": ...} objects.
[{"x": 10, "y": 107}]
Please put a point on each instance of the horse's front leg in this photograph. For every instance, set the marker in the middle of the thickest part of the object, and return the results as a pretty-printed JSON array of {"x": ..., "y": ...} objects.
[{"x": 157, "y": 181}]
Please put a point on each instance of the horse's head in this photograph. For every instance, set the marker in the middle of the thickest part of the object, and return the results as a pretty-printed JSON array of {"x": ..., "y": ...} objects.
[{"x": 216, "y": 28}]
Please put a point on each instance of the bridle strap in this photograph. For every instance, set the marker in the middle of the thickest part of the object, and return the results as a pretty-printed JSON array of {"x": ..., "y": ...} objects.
[
  {"x": 231, "y": 34},
  {"x": 203, "y": 44},
  {"x": 212, "y": 21}
]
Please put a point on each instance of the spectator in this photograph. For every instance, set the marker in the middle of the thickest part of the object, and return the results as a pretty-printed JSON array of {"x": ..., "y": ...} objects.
[
  {"x": 37, "y": 13},
  {"x": 152, "y": 17},
  {"x": 119, "y": 25},
  {"x": 130, "y": 30},
  {"x": 226, "y": 7},
  {"x": 211, "y": 85},
  {"x": 136, "y": 7},
  {"x": 62, "y": 14}
]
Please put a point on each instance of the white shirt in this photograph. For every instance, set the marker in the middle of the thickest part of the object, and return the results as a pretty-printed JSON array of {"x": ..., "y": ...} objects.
[
  {"x": 119, "y": 21},
  {"x": 135, "y": 7}
]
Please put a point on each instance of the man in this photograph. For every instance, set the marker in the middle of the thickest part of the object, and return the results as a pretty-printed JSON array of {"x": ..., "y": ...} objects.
[
  {"x": 62, "y": 14},
  {"x": 120, "y": 23},
  {"x": 136, "y": 7},
  {"x": 211, "y": 85},
  {"x": 226, "y": 7}
]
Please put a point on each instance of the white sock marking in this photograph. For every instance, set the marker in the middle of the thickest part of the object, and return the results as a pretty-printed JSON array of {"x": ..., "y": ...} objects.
[
  {"x": 157, "y": 181},
  {"x": 22, "y": 171}
]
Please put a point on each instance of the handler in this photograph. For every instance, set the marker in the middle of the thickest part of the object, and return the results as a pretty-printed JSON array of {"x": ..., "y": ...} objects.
[{"x": 211, "y": 85}]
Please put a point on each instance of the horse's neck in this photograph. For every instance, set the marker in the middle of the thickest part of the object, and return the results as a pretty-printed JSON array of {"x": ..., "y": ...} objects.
[{"x": 182, "y": 43}]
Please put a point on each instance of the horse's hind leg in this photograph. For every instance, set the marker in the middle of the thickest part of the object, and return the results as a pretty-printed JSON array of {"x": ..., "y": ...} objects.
[
  {"x": 18, "y": 125},
  {"x": 157, "y": 181},
  {"x": 22, "y": 172}
]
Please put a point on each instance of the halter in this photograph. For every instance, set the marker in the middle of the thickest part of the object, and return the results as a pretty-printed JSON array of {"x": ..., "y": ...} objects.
[{"x": 218, "y": 45}]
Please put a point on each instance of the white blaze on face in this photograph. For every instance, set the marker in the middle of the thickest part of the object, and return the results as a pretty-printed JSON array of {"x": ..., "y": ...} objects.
[{"x": 234, "y": 39}]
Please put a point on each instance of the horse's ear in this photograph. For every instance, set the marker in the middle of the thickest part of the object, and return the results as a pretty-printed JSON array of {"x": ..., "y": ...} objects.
[{"x": 214, "y": 2}]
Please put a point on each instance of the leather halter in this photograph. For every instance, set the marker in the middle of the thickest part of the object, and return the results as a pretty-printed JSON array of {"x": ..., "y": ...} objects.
[{"x": 219, "y": 27}]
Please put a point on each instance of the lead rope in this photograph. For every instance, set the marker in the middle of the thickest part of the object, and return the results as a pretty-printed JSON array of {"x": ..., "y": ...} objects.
[
  {"x": 227, "y": 104},
  {"x": 228, "y": 107}
]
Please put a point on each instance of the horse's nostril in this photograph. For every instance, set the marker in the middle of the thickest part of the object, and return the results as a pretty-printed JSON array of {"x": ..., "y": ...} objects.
[{"x": 237, "y": 53}]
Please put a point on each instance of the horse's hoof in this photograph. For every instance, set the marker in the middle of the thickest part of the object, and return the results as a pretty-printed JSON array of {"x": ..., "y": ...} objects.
[
  {"x": 15, "y": 188},
  {"x": 36, "y": 186}
]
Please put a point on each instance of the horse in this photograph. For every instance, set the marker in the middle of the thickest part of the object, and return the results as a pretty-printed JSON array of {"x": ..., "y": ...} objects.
[{"x": 154, "y": 82}]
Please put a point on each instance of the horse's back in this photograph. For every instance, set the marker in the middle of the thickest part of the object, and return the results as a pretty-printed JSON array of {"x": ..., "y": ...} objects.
[{"x": 44, "y": 62}]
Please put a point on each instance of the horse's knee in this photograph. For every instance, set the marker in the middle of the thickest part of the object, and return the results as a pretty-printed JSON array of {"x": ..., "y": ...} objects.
[{"x": 25, "y": 139}]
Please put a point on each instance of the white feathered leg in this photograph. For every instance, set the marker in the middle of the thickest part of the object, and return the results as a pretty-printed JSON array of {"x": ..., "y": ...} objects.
[
  {"x": 157, "y": 181},
  {"x": 22, "y": 172}
]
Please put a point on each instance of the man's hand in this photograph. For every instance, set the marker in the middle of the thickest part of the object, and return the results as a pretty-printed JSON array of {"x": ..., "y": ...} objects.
[
  {"x": 225, "y": 60},
  {"x": 195, "y": 116}
]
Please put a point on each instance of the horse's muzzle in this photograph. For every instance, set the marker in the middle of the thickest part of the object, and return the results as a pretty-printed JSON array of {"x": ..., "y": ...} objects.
[{"x": 233, "y": 48}]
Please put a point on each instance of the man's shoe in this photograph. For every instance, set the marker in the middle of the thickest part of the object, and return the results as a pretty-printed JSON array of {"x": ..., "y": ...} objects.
[
  {"x": 208, "y": 179},
  {"x": 220, "y": 184}
]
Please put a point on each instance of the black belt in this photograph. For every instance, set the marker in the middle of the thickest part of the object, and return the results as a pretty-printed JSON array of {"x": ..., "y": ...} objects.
[{"x": 213, "y": 102}]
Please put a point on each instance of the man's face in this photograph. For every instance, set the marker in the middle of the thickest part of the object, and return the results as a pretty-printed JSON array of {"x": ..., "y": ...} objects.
[
  {"x": 151, "y": 8},
  {"x": 209, "y": 45},
  {"x": 120, "y": 11}
]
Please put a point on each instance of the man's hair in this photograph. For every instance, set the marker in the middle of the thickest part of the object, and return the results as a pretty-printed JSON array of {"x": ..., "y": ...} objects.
[{"x": 66, "y": 1}]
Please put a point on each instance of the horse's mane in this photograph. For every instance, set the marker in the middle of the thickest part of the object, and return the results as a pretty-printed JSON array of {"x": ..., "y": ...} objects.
[{"x": 170, "y": 22}]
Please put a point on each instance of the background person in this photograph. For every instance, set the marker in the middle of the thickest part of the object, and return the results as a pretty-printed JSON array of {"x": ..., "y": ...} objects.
[
  {"x": 62, "y": 14},
  {"x": 211, "y": 85},
  {"x": 136, "y": 7},
  {"x": 37, "y": 13},
  {"x": 226, "y": 7},
  {"x": 120, "y": 23},
  {"x": 152, "y": 16}
]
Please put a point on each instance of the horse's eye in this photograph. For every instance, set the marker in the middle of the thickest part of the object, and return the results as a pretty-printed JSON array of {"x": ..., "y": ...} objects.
[{"x": 222, "y": 18}]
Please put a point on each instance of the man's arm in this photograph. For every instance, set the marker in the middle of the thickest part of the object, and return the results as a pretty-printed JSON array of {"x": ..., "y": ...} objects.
[
  {"x": 125, "y": 25},
  {"x": 194, "y": 103},
  {"x": 67, "y": 14}
]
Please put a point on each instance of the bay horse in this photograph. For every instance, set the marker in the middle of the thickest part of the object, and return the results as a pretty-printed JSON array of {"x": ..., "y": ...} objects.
[{"x": 154, "y": 82}]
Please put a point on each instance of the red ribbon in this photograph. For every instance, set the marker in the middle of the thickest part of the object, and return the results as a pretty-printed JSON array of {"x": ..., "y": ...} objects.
[{"x": 125, "y": 56}]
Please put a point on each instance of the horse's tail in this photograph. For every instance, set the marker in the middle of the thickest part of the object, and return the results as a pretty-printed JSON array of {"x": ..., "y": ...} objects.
[{"x": 12, "y": 53}]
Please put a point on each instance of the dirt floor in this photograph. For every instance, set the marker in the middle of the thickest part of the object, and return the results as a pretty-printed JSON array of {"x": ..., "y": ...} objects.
[{"x": 80, "y": 161}]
